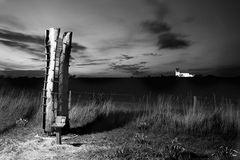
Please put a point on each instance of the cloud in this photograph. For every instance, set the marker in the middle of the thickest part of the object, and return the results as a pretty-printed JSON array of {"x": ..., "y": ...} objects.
[
  {"x": 32, "y": 44},
  {"x": 125, "y": 57},
  {"x": 166, "y": 38},
  {"x": 151, "y": 54},
  {"x": 11, "y": 21},
  {"x": 20, "y": 37},
  {"x": 134, "y": 69},
  {"x": 77, "y": 47},
  {"x": 175, "y": 63},
  {"x": 189, "y": 19},
  {"x": 36, "y": 59},
  {"x": 25, "y": 47},
  {"x": 172, "y": 41},
  {"x": 113, "y": 44},
  {"x": 97, "y": 60},
  {"x": 161, "y": 10},
  {"x": 90, "y": 64},
  {"x": 155, "y": 27}
]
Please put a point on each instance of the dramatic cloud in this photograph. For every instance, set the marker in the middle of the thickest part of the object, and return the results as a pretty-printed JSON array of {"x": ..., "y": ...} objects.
[
  {"x": 115, "y": 44},
  {"x": 172, "y": 41},
  {"x": 36, "y": 59},
  {"x": 97, "y": 60},
  {"x": 89, "y": 64},
  {"x": 125, "y": 57},
  {"x": 161, "y": 9},
  {"x": 134, "y": 69},
  {"x": 166, "y": 38},
  {"x": 155, "y": 26},
  {"x": 20, "y": 37},
  {"x": 77, "y": 47},
  {"x": 32, "y": 44},
  {"x": 189, "y": 19},
  {"x": 11, "y": 21},
  {"x": 151, "y": 54},
  {"x": 143, "y": 30},
  {"x": 25, "y": 47}
]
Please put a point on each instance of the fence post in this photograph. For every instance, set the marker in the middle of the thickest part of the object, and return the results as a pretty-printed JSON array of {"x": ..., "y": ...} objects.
[{"x": 64, "y": 75}]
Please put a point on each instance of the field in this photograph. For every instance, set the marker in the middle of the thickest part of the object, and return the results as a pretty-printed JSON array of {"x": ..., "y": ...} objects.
[{"x": 118, "y": 126}]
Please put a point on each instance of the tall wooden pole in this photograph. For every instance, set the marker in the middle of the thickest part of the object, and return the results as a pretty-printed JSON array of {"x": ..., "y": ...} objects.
[
  {"x": 51, "y": 41},
  {"x": 63, "y": 76}
]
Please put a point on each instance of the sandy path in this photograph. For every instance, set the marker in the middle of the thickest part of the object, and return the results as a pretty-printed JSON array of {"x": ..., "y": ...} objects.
[{"x": 44, "y": 148}]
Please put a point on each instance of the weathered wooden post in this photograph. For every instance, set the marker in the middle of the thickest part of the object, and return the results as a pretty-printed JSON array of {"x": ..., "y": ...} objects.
[
  {"x": 63, "y": 76},
  {"x": 51, "y": 40},
  {"x": 55, "y": 90}
]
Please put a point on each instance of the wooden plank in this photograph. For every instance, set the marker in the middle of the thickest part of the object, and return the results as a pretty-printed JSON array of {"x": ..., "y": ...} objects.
[
  {"x": 63, "y": 76},
  {"x": 52, "y": 41}
]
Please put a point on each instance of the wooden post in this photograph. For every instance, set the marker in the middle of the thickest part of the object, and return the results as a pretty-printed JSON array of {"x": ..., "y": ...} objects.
[
  {"x": 63, "y": 76},
  {"x": 51, "y": 41},
  {"x": 58, "y": 137}
]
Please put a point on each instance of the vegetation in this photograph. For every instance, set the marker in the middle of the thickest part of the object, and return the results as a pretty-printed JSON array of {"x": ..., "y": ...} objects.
[
  {"x": 16, "y": 105},
  {"x": 172, "y": 114},
  {"x": 169, "y": 114}
]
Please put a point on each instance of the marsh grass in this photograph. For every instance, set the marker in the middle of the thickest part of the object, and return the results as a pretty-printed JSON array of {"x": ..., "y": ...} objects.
[
  {"x": 167, "y": 114},
  {"x": 171, "y": 116},
  {"x": 17, "y": 104},
  {"x": 82, "y": 113}
]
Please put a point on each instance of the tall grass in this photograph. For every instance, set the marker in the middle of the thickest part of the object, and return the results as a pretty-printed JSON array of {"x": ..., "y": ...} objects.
[
  {"x": 16, "y": 104},
  {"x": 167, "y": 114},
  {"x": 82, "y": 113}
]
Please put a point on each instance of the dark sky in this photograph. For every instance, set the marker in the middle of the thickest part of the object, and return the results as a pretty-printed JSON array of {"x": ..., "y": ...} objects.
[{"x": 124, "y": 37}]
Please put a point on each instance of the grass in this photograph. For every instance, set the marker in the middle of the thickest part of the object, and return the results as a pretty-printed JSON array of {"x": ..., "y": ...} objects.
[
  {"x": 16, "y": 104},
  {"x": 169, "y": 114}
]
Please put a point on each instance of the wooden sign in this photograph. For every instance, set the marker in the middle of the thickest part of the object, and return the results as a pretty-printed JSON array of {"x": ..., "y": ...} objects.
[{"x": 60, "y": 122}]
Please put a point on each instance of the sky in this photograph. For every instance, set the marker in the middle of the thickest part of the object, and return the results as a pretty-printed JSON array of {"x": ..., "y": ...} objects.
[{"x": 123, "y": 38}]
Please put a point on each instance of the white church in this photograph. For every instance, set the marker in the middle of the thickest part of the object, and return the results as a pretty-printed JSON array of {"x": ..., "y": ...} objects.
[{"x": 179, "y": 74}]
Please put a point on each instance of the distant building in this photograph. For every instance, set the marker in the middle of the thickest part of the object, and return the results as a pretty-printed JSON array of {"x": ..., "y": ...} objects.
[{"x": 179, "y": 74}]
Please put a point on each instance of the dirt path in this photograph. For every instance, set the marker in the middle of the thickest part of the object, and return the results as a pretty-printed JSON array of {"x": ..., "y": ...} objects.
[
  {"x": 41, "y": 148},
  {"x": 26, "y": 144}
]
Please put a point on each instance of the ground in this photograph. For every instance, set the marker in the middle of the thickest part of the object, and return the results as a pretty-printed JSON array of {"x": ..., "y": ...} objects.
[{"x": 121, "y": 143}]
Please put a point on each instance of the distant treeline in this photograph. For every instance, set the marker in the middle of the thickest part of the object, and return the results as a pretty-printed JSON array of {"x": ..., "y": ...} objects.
[{"x": 139, "y": 86}]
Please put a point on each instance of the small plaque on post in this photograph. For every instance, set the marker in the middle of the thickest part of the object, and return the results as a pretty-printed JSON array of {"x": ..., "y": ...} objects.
[{"x": 60, "y": 122}]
